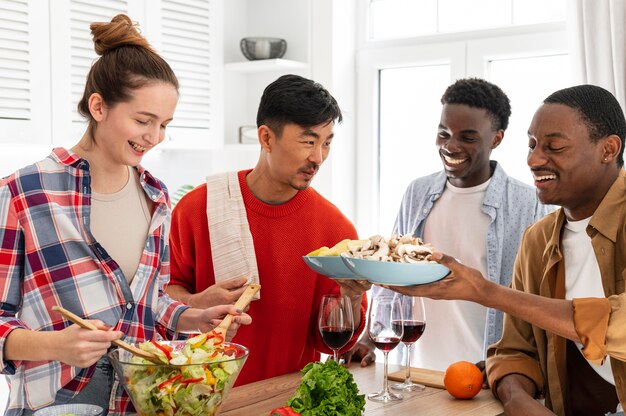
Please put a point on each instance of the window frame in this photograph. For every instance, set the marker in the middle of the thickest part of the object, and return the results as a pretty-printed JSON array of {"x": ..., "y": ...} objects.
[{"x": 467, "y": 53}]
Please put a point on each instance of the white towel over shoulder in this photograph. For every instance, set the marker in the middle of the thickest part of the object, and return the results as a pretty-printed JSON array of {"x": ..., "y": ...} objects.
[{"x": 231, "y": 241}]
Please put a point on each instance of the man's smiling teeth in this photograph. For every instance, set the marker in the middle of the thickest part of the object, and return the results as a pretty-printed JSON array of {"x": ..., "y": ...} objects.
[
  {"x": 544, "y": 177},
  {"x": 452, "y": 161},
  {"x": 137, "y": 147}
]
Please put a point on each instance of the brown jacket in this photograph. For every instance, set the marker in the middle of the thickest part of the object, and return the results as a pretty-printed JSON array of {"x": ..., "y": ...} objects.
[{"x": 599, "y": 322}]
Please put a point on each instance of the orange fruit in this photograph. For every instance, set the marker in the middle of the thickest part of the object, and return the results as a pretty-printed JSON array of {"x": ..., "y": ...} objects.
[{"x": 463, "y": 380}]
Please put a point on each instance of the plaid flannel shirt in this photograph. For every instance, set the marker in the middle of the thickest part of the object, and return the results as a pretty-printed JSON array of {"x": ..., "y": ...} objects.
[{"x": 48, "y": 257}]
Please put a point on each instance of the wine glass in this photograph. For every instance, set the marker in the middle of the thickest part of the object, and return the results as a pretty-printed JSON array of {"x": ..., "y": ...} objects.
[
  {"x": 413, "y": 324},
  {"x": 384, "y": 311},
  {"x": 336, "y": 323}
]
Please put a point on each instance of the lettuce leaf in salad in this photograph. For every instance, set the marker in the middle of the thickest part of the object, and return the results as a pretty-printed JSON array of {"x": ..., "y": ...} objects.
[
  {"x": 187, "y": 390},
  {"x": 327, "y": 389}
]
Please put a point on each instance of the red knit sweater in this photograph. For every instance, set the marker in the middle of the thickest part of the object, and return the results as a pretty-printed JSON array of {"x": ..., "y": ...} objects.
[{"x": 283, "y": 336}]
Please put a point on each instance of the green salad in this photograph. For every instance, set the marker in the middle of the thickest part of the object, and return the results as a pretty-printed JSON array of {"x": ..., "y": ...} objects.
[
  {"x": 192, "y": 385},
  {"x": 327, "y": 389}
]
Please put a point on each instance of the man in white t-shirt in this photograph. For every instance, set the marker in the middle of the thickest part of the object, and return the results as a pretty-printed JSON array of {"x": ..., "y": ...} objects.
[{"x": 471, "y": 210}]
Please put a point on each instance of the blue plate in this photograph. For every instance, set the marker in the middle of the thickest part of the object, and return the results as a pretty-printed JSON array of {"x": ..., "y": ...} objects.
[
  {"x": 396, "y": 274},
  {"x": 331, "y": 266}
]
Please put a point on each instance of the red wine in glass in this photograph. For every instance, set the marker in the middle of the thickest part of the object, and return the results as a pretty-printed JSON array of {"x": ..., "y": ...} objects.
[
  {"x": 335, "y": 321},
  {"x": 384, "y": 311},
  {"x": 413, "y": 324},
  {"x": 335, "y": 337},
  {"x": 386, "y": 344},
  {"x": 413, "y": 330}
]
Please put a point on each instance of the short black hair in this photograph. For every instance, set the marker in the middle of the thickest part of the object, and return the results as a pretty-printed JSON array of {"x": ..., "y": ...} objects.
[
  {"x": 478, "y": 93},
  {"x": 294, "y": 99},
  {"x": 598, "y": 109}
]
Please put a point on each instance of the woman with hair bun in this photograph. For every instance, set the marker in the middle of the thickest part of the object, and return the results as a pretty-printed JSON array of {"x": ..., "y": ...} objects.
[{"x": 87, "y": 229}]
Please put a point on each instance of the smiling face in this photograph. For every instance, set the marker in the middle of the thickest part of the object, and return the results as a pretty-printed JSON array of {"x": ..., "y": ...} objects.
[
  {"x": 465, "y": 140},
  {"x": 126, "y": 131},
  {"x": 569, "y": 169}
]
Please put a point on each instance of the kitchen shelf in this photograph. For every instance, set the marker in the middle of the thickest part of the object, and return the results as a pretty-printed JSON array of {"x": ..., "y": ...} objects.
[{"x": 264, "y": 65}]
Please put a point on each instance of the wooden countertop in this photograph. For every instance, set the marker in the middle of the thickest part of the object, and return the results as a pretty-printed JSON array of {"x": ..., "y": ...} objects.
[{"x": 261, "y": 397}]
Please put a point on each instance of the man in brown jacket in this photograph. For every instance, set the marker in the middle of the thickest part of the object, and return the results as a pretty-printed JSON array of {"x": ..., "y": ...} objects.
[{"x": 566, "y": 311}]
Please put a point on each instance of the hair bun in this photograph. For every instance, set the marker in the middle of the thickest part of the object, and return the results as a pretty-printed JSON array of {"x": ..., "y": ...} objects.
[{"x": 120, "y": 31}]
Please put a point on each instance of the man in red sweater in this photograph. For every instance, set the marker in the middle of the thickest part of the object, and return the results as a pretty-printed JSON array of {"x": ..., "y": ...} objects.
[{"x": 286, "y": 219}]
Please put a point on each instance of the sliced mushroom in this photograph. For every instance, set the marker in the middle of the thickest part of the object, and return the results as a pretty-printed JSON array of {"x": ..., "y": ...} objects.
[{"x": 404, "y": 249}]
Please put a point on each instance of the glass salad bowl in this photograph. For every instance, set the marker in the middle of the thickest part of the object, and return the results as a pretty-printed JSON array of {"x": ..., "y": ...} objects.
[
  {"x": 195, "y": 381},
  {"x": 76, "y": 409}
]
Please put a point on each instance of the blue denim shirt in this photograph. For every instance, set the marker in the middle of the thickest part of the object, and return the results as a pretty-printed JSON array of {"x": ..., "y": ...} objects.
[{"x": 511, "y": 205}]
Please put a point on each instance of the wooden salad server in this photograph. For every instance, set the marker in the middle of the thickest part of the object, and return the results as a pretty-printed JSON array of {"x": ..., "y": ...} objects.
[
  {"x": 124, "y": 345},
  {"x": 242, "y": 303}
]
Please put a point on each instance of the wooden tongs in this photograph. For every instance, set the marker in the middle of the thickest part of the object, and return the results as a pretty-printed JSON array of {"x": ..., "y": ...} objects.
[
  {"x": 242, "y": 303},
  {"x": 124, "y": 345}
]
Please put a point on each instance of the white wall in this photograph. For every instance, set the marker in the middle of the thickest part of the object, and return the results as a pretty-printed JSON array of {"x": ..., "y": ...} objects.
[
  {"x": 186, "y": 167},
  {"x": 174, "y": 167},
  {"x": 333, "y": 48},
  {"x": 13, "y": 157},
  {"x": 178, "y": 167}
]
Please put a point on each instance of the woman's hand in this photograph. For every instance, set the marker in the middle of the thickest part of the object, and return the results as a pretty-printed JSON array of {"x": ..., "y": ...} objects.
[{"x": 81, "y": 347}]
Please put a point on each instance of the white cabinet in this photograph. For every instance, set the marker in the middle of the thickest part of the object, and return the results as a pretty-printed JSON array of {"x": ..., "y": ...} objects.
[
  {"x": 244, "y": 81},
  {"x": 47, "y": 51},
  {"x": 24, "y": 63}
]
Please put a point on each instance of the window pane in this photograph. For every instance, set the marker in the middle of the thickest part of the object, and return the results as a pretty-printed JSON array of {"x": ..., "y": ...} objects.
[
  {"x": 410, "y": 18},
  {"x": 402, "y": 18},
  {"x": 527, "y": 82},
  {"x": 538, "y": 11},
  {"x": 460, "y": 15},
  {"x": 410, "y": 109}
]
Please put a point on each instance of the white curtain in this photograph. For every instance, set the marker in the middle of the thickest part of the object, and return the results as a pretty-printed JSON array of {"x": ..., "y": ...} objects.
[{"x": 598, "y": 42}]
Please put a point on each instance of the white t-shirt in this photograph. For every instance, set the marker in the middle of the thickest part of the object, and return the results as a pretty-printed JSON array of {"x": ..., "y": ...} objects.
[
  {"x": 582, "y": 275},
  {"x": 455, "y": 330},
  {"x": 120, "y": 223}
]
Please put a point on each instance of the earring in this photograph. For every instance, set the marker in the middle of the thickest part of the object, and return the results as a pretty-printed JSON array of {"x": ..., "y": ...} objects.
[{"x": 606, "y": 159}]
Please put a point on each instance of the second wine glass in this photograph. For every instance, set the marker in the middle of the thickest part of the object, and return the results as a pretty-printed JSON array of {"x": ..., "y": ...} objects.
[
  {"x": 384, "y": 311},
  {"x": 413, "y": 324},
  {"x": 336, "y": 323}
]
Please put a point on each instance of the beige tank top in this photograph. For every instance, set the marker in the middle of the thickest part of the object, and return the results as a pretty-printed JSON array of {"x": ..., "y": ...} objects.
[{"x": 120, "y": 223}]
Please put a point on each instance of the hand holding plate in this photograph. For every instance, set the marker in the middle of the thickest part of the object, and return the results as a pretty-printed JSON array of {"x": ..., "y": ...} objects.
[{"x": 462, "y": 283}]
